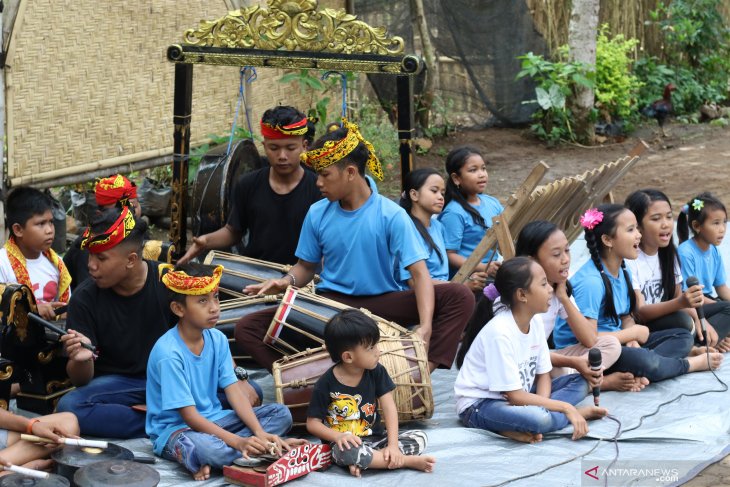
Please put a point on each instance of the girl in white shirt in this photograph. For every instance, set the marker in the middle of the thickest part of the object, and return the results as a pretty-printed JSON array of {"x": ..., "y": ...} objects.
[
  {"x": 657, "y": 278},
  {"x": 504, "y": 383},
  {"x": 548, "y": 245}
]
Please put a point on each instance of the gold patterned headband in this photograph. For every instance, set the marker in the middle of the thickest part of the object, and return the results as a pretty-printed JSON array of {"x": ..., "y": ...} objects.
[
  {"x": 334, "y": 151},
  {"x": 182, "y": 283}
]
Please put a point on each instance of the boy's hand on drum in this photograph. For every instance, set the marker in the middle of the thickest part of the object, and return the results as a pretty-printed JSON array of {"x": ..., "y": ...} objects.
[
  {"x": 272, "y": 286},
  {"x": 199, "y": 245},
  {"x": 425, "y": 334},
  {"x": 347, "y": 440},
  {"x": 72, "y": 346}
]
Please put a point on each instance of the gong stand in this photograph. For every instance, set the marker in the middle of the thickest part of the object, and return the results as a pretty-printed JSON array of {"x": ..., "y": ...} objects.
[{"x": 287, "y": 35}]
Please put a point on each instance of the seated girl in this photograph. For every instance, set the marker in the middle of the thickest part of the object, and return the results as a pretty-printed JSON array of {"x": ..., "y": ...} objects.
[{"x": 504, "y": 384}]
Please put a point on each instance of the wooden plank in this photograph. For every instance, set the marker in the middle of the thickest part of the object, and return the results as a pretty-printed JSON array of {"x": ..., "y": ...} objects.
[{"x": 504, "y": 237}]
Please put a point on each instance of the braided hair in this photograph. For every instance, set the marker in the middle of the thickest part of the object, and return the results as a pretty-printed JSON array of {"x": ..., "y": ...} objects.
[
  {"x": 694, "y": 212},
  {"x": 596, "y": 247},
  {"x": 513, "y": 274},
  {"x": 415, "y": 180},
  {"x": 639, "y": 202},
  {"x": 455, "y": 161}
]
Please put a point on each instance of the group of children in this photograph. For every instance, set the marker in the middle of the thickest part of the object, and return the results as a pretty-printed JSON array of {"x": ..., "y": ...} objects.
[{"x": 510, "y": 381}]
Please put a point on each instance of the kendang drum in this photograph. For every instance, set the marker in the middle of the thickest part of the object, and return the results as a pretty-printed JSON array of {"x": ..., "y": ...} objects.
[
  {"x": 404, "y": 358},
  {"x": 239, "y": 271},
  {"x": 212, "y": 191},
  {"x": 301, "y": 317},
  {"x": 233, "y": 310}
]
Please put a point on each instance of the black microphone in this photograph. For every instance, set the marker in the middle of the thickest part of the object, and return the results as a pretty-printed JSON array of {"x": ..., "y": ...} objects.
[
  {"x": 58, "y": 330},
  {"x": 594, "y": 359},
  {"x": 693, "y": 281}
]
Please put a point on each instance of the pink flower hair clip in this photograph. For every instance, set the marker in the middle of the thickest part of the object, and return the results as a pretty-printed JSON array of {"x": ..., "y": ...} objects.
[{"x": 591, "y": 218}]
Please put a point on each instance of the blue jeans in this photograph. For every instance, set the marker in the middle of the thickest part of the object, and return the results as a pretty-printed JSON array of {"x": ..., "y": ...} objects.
[
  {"x": 663, "y": 356},
  {"x": 103, "y": 406},
  {"x": 498, "y": 415},
  {"x": 193, "y": 449}
]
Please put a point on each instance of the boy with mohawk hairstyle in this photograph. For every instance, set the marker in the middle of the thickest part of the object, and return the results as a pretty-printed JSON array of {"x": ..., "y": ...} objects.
[{"x": 185, "y": 419}]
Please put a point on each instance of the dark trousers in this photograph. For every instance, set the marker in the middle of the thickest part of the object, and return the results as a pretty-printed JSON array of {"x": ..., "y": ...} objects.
[
  {"x": 717, "y": 314},
  {"x": 663, "y": 356},
  {"x": 454, "y": 304}
]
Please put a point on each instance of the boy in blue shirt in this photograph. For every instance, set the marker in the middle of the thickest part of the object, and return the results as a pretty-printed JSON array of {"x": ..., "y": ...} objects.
[
  {"x": 185, "y": 420},
  {"x": 362, "y": 238}
]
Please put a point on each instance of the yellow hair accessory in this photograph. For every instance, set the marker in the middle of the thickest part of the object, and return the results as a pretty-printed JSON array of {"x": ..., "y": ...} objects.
[
  {"x": 334, "y": 151},
  {"x": 181, "y": 283}
]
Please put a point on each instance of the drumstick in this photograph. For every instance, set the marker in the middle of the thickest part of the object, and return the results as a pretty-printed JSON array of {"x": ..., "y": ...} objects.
[
  {"x": 66, "y": 441},
  {"x": 60, "y": 331},
  {"x": 28, "y": 472}
]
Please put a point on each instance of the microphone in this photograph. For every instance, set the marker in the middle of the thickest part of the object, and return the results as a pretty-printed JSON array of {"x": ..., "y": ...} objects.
[
  {"x": 693, "y": 281},
  {"x": 58, "y": 330},
  {"x": 594, "y": 359}
]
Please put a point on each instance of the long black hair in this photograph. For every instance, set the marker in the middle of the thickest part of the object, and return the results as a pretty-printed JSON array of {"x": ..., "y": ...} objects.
[
  {"x": 690, "y": 213},
  {"x": 415, "y": 180},
  {"x": 531, "y": 238},
  {"x": 455, "y": 160},
  {"x": 639, "y": 202},
  {"x": 512, "y": 275},
  {"x": 596, "y": 247}
]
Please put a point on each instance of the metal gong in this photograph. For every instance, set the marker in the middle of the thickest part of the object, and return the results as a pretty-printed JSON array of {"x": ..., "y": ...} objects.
[
  {"x": 70, "y": 458},
  {"x": 116, "y": 472}
]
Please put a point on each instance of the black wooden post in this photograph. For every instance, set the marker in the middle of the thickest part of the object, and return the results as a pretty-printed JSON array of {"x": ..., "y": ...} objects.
[
  {"x": 406, "y": 124},
  {"x": 182, "y": 111}
]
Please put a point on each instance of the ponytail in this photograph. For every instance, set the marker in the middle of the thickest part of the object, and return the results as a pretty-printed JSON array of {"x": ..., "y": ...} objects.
[
  {"x": 609, "y": 308},
  {"x": 682, "y": 226}
]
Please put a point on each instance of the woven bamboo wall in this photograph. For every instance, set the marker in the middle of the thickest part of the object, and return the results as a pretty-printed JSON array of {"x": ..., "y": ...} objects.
[{"x": 88, "y": 81}]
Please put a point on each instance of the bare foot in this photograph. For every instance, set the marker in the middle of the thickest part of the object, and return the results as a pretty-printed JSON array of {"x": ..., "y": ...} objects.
[
  {"x": 623, "y": 382},
  {"x": 523, "y": 437},
  {"x": 355, "y": 470},
  {"x": 700, "y": 351},
  {"x": 424, "y": 463},
  {"x": 592, "y": 412},
  {"x": 42, "y": 464},
  {"x": 203, "y": 473},
  {"x": 699, "y": 362}
]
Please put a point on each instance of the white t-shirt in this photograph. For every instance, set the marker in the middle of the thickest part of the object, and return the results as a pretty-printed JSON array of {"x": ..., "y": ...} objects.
[
  {"x": 550, "y": 317},
  {"x": 502, "y": 359},
  {"x": 43, "y": 275},
  {"x": 646, "y": 276}
]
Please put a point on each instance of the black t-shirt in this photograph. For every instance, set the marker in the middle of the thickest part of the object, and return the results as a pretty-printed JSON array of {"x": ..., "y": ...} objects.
[
  {"x": 272, "y": 220},
  {"x": 77, "y": 263},
  {"x": 123, "y": 328},
  {"x": 354, "y": 409}
]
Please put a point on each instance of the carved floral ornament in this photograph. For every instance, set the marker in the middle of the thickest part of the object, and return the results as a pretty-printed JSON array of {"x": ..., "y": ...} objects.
[{"x": 294, "y": 25}]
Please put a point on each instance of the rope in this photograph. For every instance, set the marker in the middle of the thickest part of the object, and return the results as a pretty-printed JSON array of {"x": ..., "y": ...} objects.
[
  {"x": 242, "y": 100},
  {"x": 343, "y": 78}
]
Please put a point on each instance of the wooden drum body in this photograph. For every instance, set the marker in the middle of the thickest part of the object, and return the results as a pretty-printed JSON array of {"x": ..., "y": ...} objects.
[
  {"x": 403, "y": 357},
  {"x": 301, "y": 317}
]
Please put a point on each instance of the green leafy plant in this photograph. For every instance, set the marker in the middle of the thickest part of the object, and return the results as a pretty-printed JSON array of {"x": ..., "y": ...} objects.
[
  {"x": 555, "y": 82},
  {"x": 616, "y": 86}
]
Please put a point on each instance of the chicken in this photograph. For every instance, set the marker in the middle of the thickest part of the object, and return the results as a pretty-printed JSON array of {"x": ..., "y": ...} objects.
[{"x": 661, "y": 109}]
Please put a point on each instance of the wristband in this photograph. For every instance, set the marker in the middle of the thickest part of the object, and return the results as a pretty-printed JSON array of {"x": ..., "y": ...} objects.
[
  {"x": 29, "y": 428},
  {"x": 293, "y": 279}
]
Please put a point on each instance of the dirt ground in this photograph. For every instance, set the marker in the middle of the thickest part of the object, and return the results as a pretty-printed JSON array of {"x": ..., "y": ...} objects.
[{"x": 691, "y": 159}]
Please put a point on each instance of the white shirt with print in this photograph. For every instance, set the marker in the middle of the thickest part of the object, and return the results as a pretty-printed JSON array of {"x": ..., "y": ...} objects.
[
  {"x": 41, "y": 271},
  {"x": 646, "y": 276}
]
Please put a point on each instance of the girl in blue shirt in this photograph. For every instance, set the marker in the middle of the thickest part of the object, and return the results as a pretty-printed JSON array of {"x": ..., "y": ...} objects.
[
  {"x": 604, "y": 294},
  {"x": 707, "y": 217},
  {"x": 422, "y": 198},
  {"x": 468, "y": 213}
]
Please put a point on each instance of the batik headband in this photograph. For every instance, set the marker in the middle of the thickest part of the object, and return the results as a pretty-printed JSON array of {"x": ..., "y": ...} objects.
[
  {"x": 334, "y": 151},
  {"x": 180, "y": 282},
  {"x": 284, "y": 131},
  {"x": 109, "y": 239},
  {"x": 114, "y": 188}
]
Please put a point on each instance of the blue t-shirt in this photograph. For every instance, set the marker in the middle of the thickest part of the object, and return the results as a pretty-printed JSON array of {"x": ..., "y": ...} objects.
[
  {"x": 438, "y": 268},
  {"x": 361, "y": 249},
  {"x": 590, "y": 294},
  {"x": 177, "y": 378},
  {"x": 462, "y": 233},
  {"x": 706, "y": 265}
]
